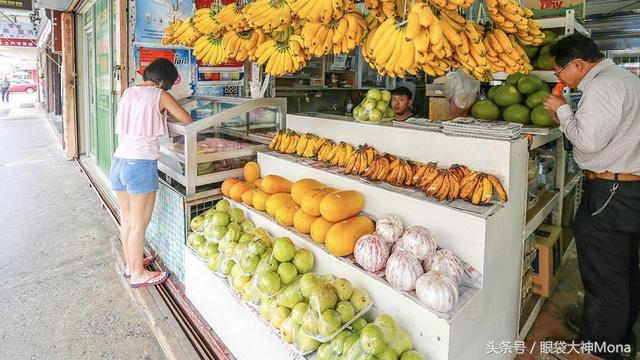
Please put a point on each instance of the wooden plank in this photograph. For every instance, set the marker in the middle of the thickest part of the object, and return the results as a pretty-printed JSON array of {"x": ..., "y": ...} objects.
[
  {"x": 123, "y": 44},
  {"x": 69, "y": 115}
]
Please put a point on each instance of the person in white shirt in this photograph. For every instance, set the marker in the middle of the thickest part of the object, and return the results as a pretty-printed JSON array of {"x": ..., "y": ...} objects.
[{"x": 605, "y": 133}]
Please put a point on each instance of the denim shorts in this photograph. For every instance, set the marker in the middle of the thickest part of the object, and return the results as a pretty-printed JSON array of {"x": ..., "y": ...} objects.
[{"x": 136, "y": 176}]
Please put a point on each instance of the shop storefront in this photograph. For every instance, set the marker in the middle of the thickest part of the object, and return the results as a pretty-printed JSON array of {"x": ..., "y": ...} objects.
[{"x": 499, "y": 226}]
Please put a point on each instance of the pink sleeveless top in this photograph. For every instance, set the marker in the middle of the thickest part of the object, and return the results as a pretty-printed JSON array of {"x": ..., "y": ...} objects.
[{"x": 139, "y": 123}]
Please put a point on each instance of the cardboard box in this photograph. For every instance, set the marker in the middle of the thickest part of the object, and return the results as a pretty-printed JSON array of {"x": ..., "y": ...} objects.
[
  {"x": 555, "y": 8},
  {"x": 547, "y": 259}
]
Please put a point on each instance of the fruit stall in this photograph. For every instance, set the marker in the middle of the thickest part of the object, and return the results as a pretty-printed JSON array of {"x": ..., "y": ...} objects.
[
  {"x": 401, "y": 262},
  {"x": 308, "y": 236}
]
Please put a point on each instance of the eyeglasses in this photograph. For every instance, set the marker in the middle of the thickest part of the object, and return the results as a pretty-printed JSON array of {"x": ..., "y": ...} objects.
[{"x": 557, "y": 73}]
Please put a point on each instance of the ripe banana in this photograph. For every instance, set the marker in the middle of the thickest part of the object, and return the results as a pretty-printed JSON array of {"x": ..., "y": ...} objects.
[
  {"x": 242, "y": 45},
  {"x": 186, "y": 34},
  {"x": 210, "y": 51},
  {"x": 502, "y": 194},
  {"x": 282, "y": 57},
  {"x": 205, "y": 22},
  {"x": 269, "y": 15},
  {"x": 232, "y": 18},
  {"x": 508, "y": 16},
  {"x": 320, "y": 10},
  {"x": 169, "y": 33}
]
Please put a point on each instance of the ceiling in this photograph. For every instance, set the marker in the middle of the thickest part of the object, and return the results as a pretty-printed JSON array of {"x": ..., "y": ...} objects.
[
  {"x": 598, "y": 7},
  {"x": 61, "y": 5}
]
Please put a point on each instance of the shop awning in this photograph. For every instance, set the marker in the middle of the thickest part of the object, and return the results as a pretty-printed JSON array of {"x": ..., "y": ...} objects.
[{"x": 61, "y": 5}]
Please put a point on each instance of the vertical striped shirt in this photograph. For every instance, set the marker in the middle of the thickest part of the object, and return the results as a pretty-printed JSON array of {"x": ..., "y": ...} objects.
[{"x": 605, "y": 129}]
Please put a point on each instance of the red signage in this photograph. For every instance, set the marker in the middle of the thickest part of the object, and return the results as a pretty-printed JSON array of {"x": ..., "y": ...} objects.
[
  {"x": 17, "y": 42},
  {"x": 148, "y": 55},
  {"x": 57, "y": 32},
  {"x": 201, "y": 4}
]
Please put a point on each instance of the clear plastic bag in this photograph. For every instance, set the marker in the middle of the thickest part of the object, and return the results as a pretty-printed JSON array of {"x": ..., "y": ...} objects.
[
  {"x": 330, "y": 309},
  {"x": 281, "y": 268},
  {"x": 462, "y": 89}
]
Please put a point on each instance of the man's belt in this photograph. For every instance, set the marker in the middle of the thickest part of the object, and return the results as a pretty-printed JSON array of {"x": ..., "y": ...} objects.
[{"x": 590, "y": 175}]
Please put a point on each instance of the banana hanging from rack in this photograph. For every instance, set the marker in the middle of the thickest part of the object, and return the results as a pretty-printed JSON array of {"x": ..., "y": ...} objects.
[
  {"x": 210, "y": 51},
  {"x": 242, "y": 45},
  {"x": 269, "y": 15},
  {"x": 205, "y": 22},
  {"x": 511, "y": 18},
  {"x": 169, "y": 37},
  {"x": 321, "y": 10},
  {"x": 340, "y": 36},
  {"x": 505, "y": 53},
  {"x": 186, "y": 34},
  {"x": 282, "y": 57},
  {"x": 232, "y": 18}
]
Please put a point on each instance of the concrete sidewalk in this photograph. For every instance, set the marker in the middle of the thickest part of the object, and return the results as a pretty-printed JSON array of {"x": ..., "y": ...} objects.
[{"x": 61, "y": 296}]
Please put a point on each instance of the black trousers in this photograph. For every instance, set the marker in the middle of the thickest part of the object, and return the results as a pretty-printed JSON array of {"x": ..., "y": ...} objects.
[
  {"x": 5, "y": 95},
  {"x": 607, "y": 245}
]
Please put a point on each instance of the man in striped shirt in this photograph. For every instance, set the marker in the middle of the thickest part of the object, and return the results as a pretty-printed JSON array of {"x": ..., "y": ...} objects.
[{"x": 605, "y": 133}]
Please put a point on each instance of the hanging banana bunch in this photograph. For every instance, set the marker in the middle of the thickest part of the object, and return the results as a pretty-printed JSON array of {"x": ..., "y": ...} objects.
[
  {"x": 451, "y": 5},
  {"x": 338, "y": 37},
  {"x": 372, "y": 21},
  {"x": 187, "y": 33},
  {"x": 511, "y": 18},
  {"x": 434, "y": 53},
  {"x": 169, "y": 37},
  {"x": 505, "y": 53},
  {"x": 384, "y": 9},
  {"x": 210, "y": 51},
  {"x": 321, "y": 10},
  {"x": 469, "y": 50},
  {"x": 206, "y": 23},
  {"x": 283, "y": 54},
  {"x": 269, "y": 15},
  {"x": 232, "y": 18},
  {"x": 242, "y": 45},
  {"x": 389, "y": 51}
]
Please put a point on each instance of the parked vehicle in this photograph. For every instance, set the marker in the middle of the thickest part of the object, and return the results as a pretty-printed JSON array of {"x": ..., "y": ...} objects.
[{"x": 22, "y": 85}]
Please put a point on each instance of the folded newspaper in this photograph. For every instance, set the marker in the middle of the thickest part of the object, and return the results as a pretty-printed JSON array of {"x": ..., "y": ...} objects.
[
  {"x": 471, "y": 127},
  {"x": 419, "y": 123}
]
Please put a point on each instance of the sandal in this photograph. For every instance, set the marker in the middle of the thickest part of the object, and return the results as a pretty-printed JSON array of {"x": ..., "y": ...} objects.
[
  {"x": 157, "y": 279},
  {"x": 145, "y": 262}
]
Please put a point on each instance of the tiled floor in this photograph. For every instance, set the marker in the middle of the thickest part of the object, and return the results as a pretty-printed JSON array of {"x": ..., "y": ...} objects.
[{"x": 550, "y": 325}]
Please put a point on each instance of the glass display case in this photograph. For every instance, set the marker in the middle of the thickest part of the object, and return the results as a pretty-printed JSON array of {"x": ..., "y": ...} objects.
[{"x": 225, "y": 134}]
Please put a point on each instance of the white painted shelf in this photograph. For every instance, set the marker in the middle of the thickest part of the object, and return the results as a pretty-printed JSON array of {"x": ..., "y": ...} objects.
[
  {"x": 485, "y": 243},
  {"x": 540, "y": 140},
  {"x": 547, "y": 203},
  {"x": 230, "y": 317},
  {"x": 324, "y": 258},
  {"x": 443, "y": 221},
  {"x": 571, "y": 184}
]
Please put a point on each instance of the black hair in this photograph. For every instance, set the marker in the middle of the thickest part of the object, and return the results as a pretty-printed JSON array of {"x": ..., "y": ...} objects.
[
  {"x": 575, "y": 46},
  {"x": 402, "y": 91},
  {"x": 161, "y": 72}
]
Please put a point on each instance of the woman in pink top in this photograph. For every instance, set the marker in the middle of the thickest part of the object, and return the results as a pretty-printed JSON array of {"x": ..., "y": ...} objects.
[{"x": 142, "y": 118}]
